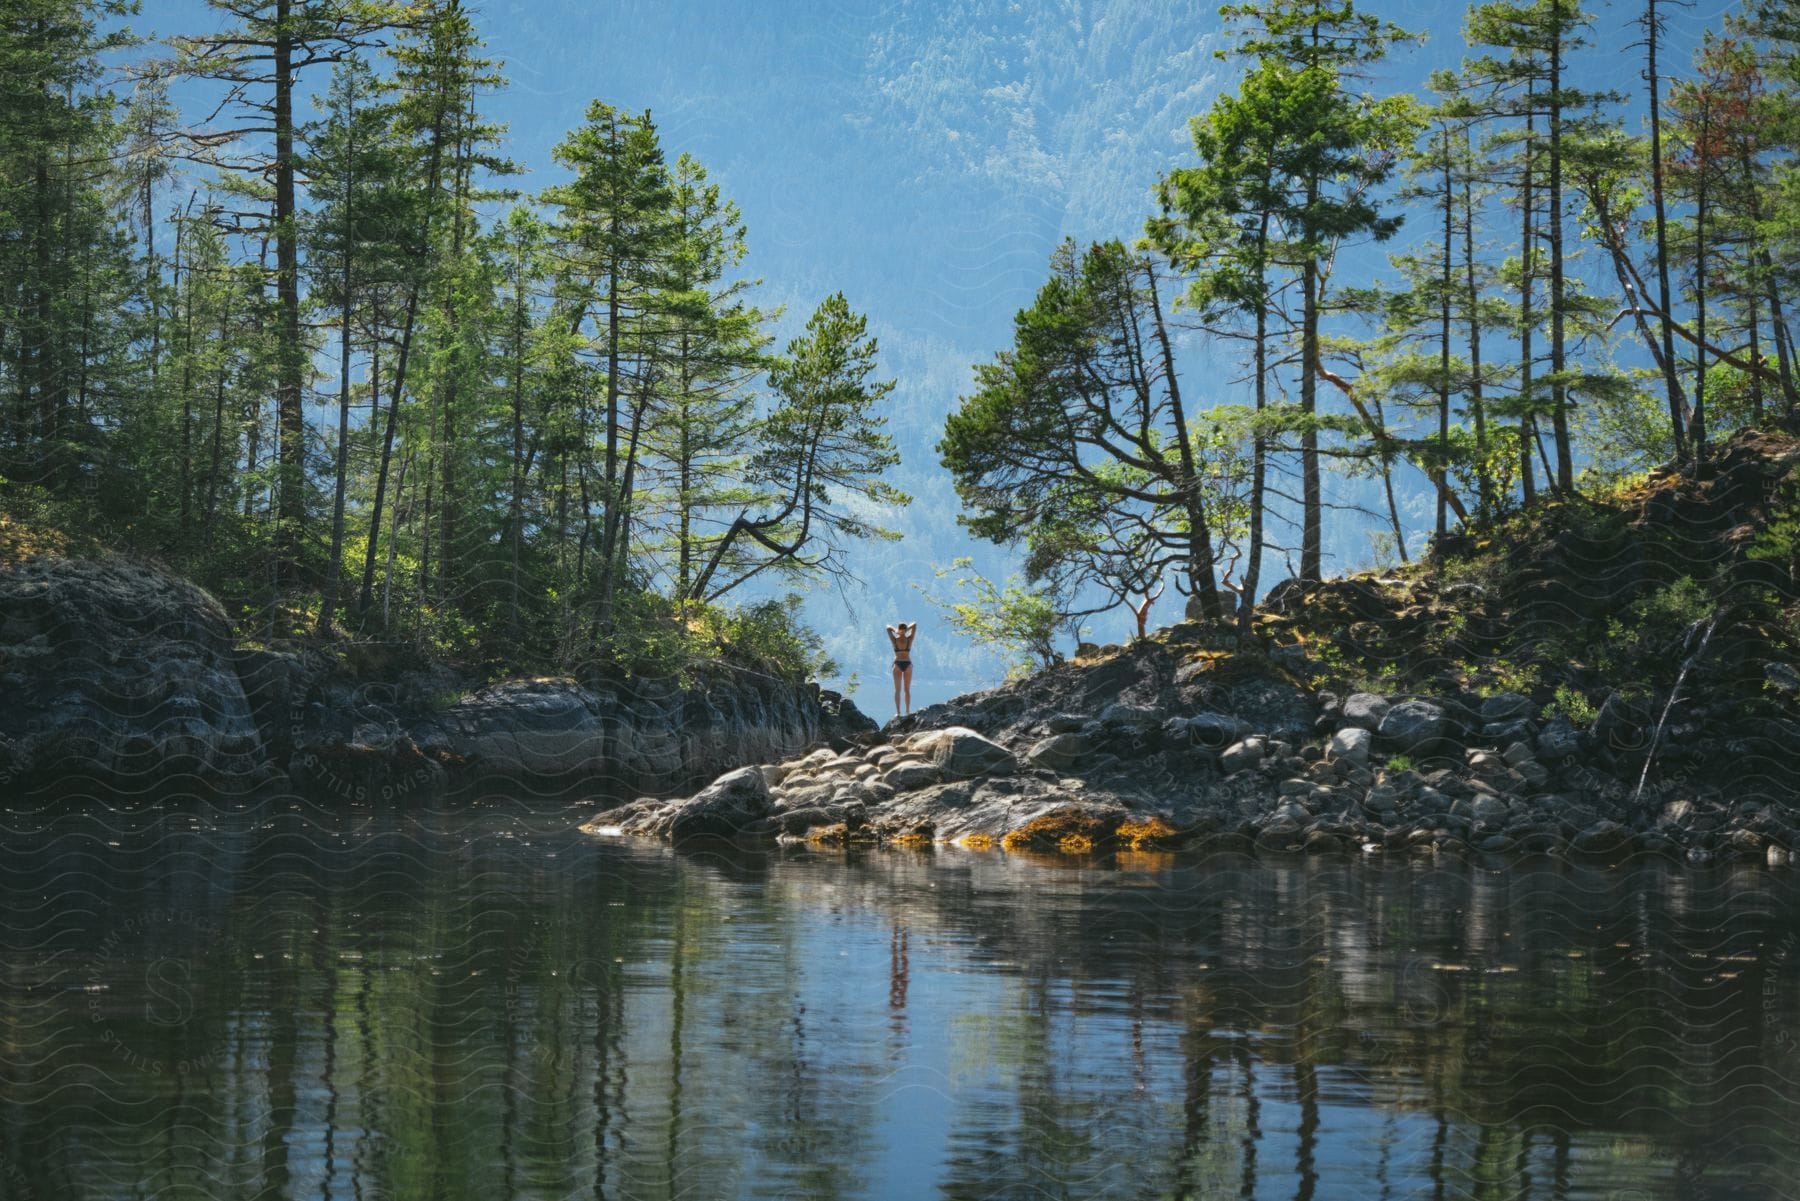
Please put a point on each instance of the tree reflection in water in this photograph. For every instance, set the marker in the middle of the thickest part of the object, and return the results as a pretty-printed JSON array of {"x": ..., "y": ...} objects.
[{"x": 276, "y": 1000}]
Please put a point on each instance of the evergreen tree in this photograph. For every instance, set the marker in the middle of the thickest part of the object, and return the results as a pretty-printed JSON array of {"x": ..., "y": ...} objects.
[
  {"x": 617, "y": 233},
  {"x": 1335, "y": 150},
  {"x": 712, "y": 347},
  {"x": 819, "y": 458},
  {"x": 1076, "y": 440},
  {"x": 261, "y": 56}
]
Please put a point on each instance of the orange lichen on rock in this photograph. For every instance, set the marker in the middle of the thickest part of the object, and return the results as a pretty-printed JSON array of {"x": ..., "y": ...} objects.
[
  {"x": 1069, "y": 830},
  {"x": 839, "y": 835},
  {"x": 1147, "y": 835},
  {"x": 976, "y": 842}
]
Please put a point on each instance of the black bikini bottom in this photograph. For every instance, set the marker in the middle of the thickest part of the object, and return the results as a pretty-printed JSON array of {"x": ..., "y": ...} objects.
[{"x": 903, "y": 664}]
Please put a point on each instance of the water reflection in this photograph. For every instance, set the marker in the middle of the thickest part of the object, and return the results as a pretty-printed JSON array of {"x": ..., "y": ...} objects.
[{"x": 273, "y": 1000}]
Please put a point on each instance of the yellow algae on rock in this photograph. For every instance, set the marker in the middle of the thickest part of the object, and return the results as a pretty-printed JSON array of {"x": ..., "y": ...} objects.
[
  {"x": 1147, "y": 835},
  {"x": 1071, "y": 831}
]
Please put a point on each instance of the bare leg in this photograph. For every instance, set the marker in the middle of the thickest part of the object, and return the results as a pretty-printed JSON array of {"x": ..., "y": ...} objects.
[
  {"x": 897, "y": 677},
  {"x": 906, "y": 678}
]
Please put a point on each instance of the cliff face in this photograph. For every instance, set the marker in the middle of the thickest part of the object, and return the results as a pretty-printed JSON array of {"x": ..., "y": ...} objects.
[{"x": 118, "y": 676}]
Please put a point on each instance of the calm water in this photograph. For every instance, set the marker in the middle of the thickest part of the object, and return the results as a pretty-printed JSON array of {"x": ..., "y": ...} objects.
[{"x": 275, "y": 1000}]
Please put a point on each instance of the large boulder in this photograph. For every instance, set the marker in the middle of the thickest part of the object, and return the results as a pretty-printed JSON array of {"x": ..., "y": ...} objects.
[
  {"x": 1415, "y": 727},
  {"x": 1351, "y": 744},
  {"x": 1217, "y": 730},
  {"x": 1558, "y": 739},
  {"x": 532, "y": 728},
  {"x": 652, "y": 736},
  {"x": 1366, "y": 709},
  {"x": 1121, "y": 715},
  {"x": 959, "y": 752},
  {"x": 723, "y": 808},
  {"x": 1505, "y": 706},
  {"x": 909, "y": 774},
  {"x": 119, "y": 675},
  {"x": 1060, "y": 751}
]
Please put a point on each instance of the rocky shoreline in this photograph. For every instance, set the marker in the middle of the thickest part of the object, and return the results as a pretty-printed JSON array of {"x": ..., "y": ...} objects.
[
  {"x": 120, "y": 678},
  {"x": 1591, "y": 678},
  {"x": 1198, "y": 739}
]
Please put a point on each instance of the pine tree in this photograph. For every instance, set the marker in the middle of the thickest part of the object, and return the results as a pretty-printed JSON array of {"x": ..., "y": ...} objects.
[
  {"x": 439, "y": 75},
  {"x": 713, "y": 342},
  {"x": 819, "y": 458},
  {"x": 617, "y": 237},
  {"x": 1218, "y": 227},
  {"x": 1336, "y": 149},
  {"x": 262, "y": 57}
]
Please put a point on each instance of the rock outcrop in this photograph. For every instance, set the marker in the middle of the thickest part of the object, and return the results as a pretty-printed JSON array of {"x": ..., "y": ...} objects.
[
  {"x": 121, "y": 677},
  {"x": 117, "y": 675},
  {"x": 1200, "y": 738}
]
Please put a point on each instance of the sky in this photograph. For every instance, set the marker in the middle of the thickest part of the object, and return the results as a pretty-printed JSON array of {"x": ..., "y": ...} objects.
[{"x": 925, "y": 158}]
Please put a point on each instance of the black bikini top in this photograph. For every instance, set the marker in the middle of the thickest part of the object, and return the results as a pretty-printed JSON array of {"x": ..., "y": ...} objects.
[{"x": 902, "y": 642}]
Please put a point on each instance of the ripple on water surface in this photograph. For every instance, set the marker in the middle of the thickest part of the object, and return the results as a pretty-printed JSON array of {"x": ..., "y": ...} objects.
[{"x": 271, "y": 999}]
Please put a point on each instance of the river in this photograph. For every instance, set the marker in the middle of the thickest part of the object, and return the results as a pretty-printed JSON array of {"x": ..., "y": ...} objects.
[{"x": 271, "y": 999}]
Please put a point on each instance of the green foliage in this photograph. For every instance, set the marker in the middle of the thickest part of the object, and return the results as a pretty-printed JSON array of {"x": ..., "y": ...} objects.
[
  {"x": 1572, "y": 704},
  {"x": 1077, "y": 443},
  {"x": 1778, "y": 542},
  {"x": 1021, "y": 622}
]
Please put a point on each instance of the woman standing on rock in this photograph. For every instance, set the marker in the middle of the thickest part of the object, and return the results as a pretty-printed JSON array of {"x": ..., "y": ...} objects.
[{"x": 902, "y": 637}]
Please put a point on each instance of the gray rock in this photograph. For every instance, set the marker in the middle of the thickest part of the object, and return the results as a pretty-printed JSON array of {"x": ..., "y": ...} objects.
[
  {"x": 909, "y": 774},
  {"x": 1503, "y": 733},
  {"x": 1558, "y": 739},
  {"x": 959, "y": 752},
  {"x": 1676, "y": 813},
  {"x": 1290, "y": 811},
  {"x": 1430, "y": 800},
  {"x": 1602, "y": 838},
  {"x": 1188, "y": 672},
  {"x": 1351, "y": 745},
  {"x": 1382, "y": 800},
  {"x": 1484, "y": 809},
  {"x": 721, "y": 809},
  {"x": 1505, "y": 706},
  {"x": 1365, "y": 709},
  {"x": 799, "y": 821},
  {"x": 1782, "y": 678},
  {"x": 1217, "y": 730},
  {"x": 1066, "y": 723},
  {"x": 1291, "y": 657},
  {"x": 1240, "y": 755},
  {"x": 1195, "y": 609},
  {"x": 122, "y": 675},
  {"x": 1119, "y": 714},
  {"x": 1414, "y": 726},
  {"x": 1518, "y": 753},
  {"x": 1060, "y": 751}
]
